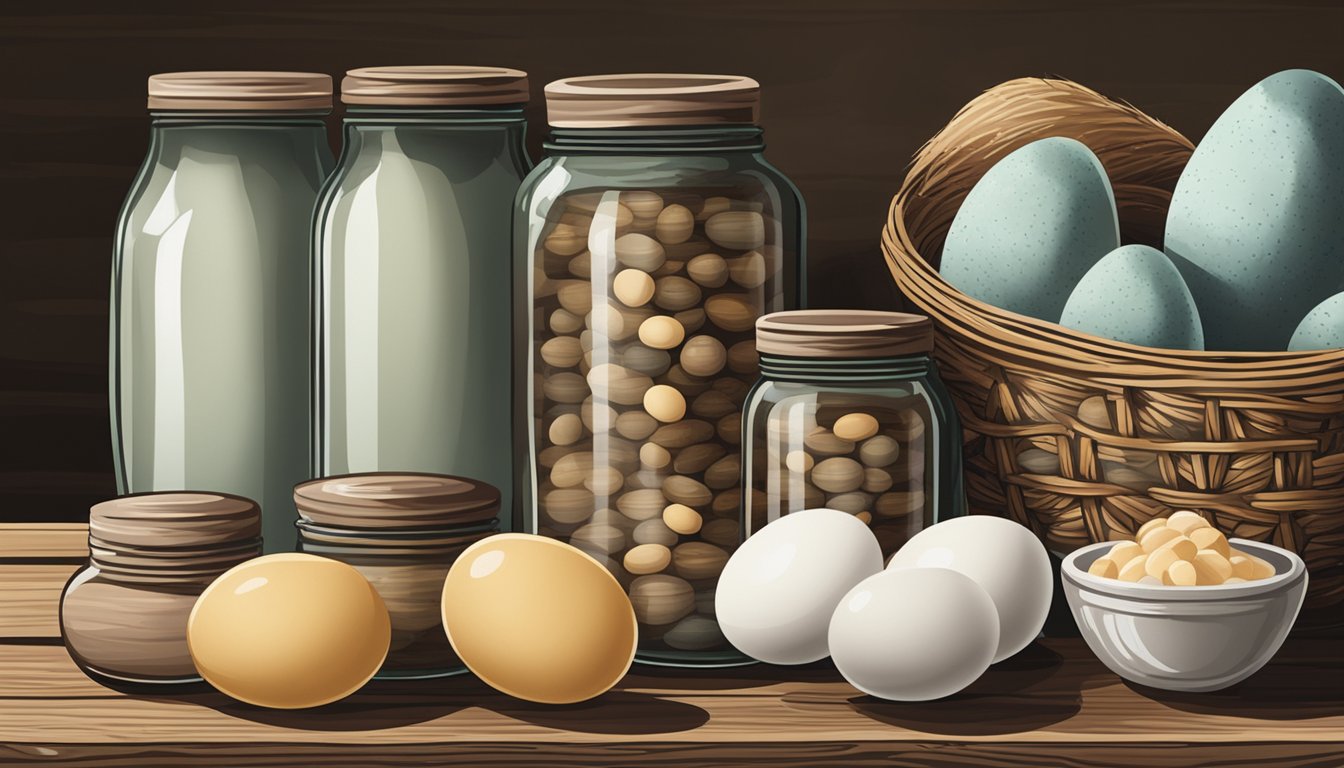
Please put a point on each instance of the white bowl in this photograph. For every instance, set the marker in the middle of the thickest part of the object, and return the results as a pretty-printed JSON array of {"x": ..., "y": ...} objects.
[{"x": 1185, "y": 638}]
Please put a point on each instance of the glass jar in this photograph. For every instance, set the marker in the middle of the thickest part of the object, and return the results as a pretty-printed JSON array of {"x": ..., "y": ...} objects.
[
  {"x": 649, "y": 240},
  {"x": 124, "y": 615},
  {"x": 850, "y": 414},
  {"x": 403, "y": 532},
  {"x": 209, "y": 313},
  {"x": 412, "y": 281}
]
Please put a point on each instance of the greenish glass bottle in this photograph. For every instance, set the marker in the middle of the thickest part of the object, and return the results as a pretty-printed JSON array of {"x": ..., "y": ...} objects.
[
  {"x": 209, "y": 310},
  {"x": 412, "y": 276}
]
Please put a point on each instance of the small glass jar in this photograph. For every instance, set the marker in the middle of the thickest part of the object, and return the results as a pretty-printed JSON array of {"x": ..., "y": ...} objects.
[
  {"x": 124, "y": 616},
  {"x": 412, "y": 320},
  {"x": 402, "y": 531},
  {"x": 648, "y": 242},
  {"x": 850, "y": 414}
]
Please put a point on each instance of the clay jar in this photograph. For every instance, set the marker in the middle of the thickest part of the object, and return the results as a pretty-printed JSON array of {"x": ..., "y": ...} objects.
[
  {"x": 403, "y": 531},
  {"x": 124, "y": 616}
]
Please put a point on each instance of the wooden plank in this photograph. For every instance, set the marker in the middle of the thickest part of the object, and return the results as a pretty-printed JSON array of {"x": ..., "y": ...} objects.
[
  {"x": 1054, "y": 693},
  {"x": 875, "y": 754},
  {"x": 37, "y": 541},
  {"x": 30, "y": 597}
]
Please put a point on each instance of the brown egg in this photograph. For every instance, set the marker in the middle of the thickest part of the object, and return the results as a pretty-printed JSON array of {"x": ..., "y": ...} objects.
[
  {"x": 538, "y": 619},
  {"x": 289, "y": 631}
]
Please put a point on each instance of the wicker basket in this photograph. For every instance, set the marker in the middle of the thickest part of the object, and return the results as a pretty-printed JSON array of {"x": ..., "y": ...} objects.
[{"x": 1084, "y": 439}]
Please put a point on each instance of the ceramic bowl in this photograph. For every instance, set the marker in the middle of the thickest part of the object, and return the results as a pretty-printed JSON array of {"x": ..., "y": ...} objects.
[{"x": 1185, "y": 638}]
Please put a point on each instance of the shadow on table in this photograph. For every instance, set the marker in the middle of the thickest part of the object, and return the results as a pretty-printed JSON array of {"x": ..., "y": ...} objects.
[
  {"x": 1023, "y": 693},
  {"x": 1285, "y": 689},
  {"x": 396, "y": 703},
  {"x": 729, "y": 678}
]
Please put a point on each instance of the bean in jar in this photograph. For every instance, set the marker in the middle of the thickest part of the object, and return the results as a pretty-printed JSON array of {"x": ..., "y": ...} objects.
[{"x": 646, "y": 274}]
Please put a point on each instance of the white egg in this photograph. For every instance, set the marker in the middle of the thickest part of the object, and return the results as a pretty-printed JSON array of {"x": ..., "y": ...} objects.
[
  {"x": 914, "y": 634},
  {"x": 1004, "y": 558},
  {"x": 776, "y": 595}
]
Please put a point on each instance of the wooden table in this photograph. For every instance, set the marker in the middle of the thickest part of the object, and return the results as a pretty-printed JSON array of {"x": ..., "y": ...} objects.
[{"x": 1052, "y": 705}]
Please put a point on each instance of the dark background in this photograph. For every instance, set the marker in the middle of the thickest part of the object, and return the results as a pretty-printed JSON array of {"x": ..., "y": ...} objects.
[{"x": 850, "y": 91}]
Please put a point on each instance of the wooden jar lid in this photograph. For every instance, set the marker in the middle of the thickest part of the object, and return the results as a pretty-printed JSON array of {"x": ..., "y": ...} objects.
[
  {"x": 384, "y": 500},
  {"x": 240, "y": 91},
  {"x": 446, "y": 86},
  {"x": 839, "y": 334},
  {"x": 182, "y": 521},
  {"x": 617, "y": 101}
]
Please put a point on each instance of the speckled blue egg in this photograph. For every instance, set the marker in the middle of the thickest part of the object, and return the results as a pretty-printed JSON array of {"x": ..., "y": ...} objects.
[
  {"x": 1136, "y": 295},
  {"x": 1256, "y": 224},
  {"x": 1322, "y": 328},
  {"x": 1032, "y": 227}
]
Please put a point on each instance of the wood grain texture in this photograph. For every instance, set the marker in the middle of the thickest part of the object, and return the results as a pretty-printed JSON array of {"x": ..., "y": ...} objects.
[
  {"x": 29, "y": 598},
  {"x": 44, "y": 541},
  {"x": 851, "y": 89}
]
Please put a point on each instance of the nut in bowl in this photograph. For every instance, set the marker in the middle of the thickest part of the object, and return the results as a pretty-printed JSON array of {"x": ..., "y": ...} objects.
[{"x": 1185, "y": 638}]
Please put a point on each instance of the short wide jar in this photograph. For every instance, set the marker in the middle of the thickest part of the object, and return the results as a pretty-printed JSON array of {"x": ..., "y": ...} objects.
[
  {"x": 850, "y": 414},
  {"x": 124, "y": 616},
  {"x": 403, "y": 532}
]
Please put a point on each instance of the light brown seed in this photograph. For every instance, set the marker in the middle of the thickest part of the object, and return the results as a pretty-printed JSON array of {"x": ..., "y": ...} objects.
[
  {"x": 675, "y": 293},
  {"x": 647, "y": 558},
  {"x": 635, "y": 425},
  {"x": 748, "y": 270},
  {"x": 646, "y": 360},
  {"x": 691, "y": 320},
  {"x": 644, "y": 479},
  {"x": 564, "y": 321},
  {"x": 633, "y": 287},
  {"x": 724, "y": 473},
  {"x": 568, "y": 506},
  {"x": 686, "y": 490},
  {"x": 661, "y": 332},
  {"x": 689, "y": 385},
  {"x": 617, "y": 384},
  {"x": 567, "y": 429},
  {"x": 664, "y": 403},
  {"x": 702, "y": 356},
  {"x": 1093, "y": 412},
  {"x": 855, "y": 427},
  {"x": 581, "y": 266},
  {"x": 735, "y": 389},
  {"x": 708, "y": 269},
  {"x": 642, "y": 504},
  {"x": 670, "y": 267},
  {"x": 694, "y": 459},
  {"x": 681, "y": 519},
  {"x": 565, "y": 388},
  {"x": 640, "y": 251},
  {"x": 729, "y": 428},
  {"x": 567, "y": 238},
  {"x": 898, "y": 503},
  {"x": 865, "y": 517},
  {"x": 724, "y": 532},
  {"x": 697, "y": 560},
  {"x": 682, "y": 433},
  {"x": 675, "y": 224},
  {"x": 654, "y": 531},
  {"x": 561, "y": 352},
  {"x": 712, "y": 206},
  {"x": 604, "y": 481},
  {"x": 643, "y": 204},
  {"x": 654, "y": 456},
  {"x": 799, "y": 462},
  {"x": 879, "y": 451},
  {"x": 602, "y": 538},
  {"x": 661, "y": 599},
  {"x": 597, "y": 417},
  {"x": 575, "y": 296},
  {"x": 549, "y": 456},
  {"x": 822, "y": 442},
  {"x": 853, "y": 503},
  {"x": 571, "y": 470},
  {"x": 734, "y": 312},
  {"x": 876, "y": 480},
  {"x": 736, "y": 230}
]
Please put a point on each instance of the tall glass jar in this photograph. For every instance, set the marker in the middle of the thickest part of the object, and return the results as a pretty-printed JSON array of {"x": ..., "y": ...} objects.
[
  {"x": 850, "y": 414},
  {"x": 124, "y": 615},
  {"x": 209, "y": 319},
  {"x": 649, "y": 240},
  {"x": 412, "y": 275}
]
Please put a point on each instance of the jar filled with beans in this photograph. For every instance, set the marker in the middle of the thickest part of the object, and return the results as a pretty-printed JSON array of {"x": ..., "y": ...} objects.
[
  {"x": 850, "y": 414},
  {"x": 651, "y": 238}
]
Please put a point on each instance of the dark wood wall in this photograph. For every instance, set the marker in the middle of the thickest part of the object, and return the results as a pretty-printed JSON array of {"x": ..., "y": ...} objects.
[{"x": 850, "y": 90}]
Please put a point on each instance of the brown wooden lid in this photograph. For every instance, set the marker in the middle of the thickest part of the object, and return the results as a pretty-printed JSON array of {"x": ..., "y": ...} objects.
[
  {"x": 449, "y": 86},
  {"x": 615, "y": 101},
  {"x": 396, "y": 500},
  {"x": 843, "y": 334},
  {"x": 240, "y": 91},
  {"x": 175, "y": 520}
]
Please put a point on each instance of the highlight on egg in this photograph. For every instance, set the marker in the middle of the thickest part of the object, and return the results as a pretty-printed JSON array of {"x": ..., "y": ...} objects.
[
  {"x": 538, "y": 619},
  {"x": 289, "y": 631},
  {"x": 776, "y": 595}
]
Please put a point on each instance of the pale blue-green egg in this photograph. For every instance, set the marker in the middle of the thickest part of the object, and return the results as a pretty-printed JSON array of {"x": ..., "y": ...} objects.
[
  {"x": 1135, "y": 295},
  {"x": 1322, "y": 328},
  {"x": 1032, "y": 227},
  {"x": 1256, "y": 224}
]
